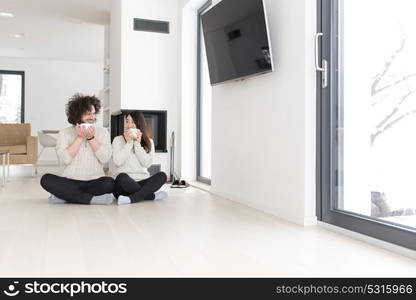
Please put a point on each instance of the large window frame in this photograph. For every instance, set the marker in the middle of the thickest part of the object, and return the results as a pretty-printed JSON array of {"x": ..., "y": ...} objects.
[
  {"x": 200, "y": 178},
  {"x": 22, "y": 74},
  {"x": 328, "y": 103}
]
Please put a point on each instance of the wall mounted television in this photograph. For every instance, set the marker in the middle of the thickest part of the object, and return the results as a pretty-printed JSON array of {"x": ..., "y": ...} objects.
[{"x": 236, "y": 40}]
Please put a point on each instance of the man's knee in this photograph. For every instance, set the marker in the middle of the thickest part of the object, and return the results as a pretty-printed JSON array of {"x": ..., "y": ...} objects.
[
  {"x": 121, "y": 177},
  {"x": 108, "y": 184},
  {"x": 46, "y": 180}
]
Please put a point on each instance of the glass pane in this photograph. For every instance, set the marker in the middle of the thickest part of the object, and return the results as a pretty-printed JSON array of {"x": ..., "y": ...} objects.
[
  {"x": 205, "y": 115},
  {"x": 375, "y": 117},
  {"x": 10, "y": 98}
]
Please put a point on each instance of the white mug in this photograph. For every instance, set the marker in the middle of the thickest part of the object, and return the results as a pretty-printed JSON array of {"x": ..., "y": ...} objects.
[
  {"x": 134, "y": 132},
  {"x": 86, "y": 125}
]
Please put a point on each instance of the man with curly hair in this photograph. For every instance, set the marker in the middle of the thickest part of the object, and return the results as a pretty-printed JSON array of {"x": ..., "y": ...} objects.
[{"x": 83, "y": 149}]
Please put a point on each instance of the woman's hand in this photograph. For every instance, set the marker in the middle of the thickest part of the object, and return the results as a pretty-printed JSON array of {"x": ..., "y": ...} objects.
[
  {"x": 139, "y": 135},
  {"x": 127, "y": 135}
]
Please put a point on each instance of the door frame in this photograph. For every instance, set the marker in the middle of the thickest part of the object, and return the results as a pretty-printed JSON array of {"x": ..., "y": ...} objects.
[{"x": 327, "y": 212}]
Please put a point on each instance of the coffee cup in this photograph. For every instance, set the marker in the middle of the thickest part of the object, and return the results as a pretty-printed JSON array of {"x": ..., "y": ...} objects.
[
  {"x": 133, "y": 132},
  {"x": 86, "y": 125}
]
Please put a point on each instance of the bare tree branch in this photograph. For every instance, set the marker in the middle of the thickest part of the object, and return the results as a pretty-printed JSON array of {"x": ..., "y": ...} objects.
[
  {"x": 390, "y": 125},
  {"x": 388, "y": 117},
  {"x": 396, "y": 82},
  {"x": 381, "y": 98},
  {"x": 387, "y": 122},
  {"x": 395, "y": 109},
  {"x": 387, "y": 66}
]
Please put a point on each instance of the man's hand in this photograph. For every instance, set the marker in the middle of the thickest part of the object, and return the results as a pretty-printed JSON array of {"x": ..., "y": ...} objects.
[
  {"x": 80, "y": 131},
  {"x": 74, "y": 147},
  {"x": 89, "y": 132}
]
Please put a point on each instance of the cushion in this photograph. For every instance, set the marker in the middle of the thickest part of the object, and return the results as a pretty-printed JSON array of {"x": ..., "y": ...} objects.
[
  {"x": 14, "y": 134},
  {"x": 17, "y": 149}
]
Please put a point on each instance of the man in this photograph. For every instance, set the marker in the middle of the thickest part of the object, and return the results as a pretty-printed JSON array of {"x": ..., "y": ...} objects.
[{"x": 83, "y": 149}]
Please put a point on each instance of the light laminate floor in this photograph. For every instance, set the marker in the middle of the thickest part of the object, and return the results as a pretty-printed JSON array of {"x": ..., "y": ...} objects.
[{"x": 192, "y": 233}]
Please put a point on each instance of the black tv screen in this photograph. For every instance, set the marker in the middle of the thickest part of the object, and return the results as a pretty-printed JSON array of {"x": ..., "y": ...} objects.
[{"x": 236, "y": 40}]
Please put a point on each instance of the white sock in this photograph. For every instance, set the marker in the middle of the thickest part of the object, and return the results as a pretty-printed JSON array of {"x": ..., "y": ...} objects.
[
  {"x": 105, "y": 199},
  {"x": 123, "y": 200},
  {"x": 160, "y": 195},
  {"x": 55, "y": 200}
]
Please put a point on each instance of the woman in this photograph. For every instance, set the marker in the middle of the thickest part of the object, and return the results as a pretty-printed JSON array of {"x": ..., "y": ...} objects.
[
  {"x": 84, "y": 150},
  {"x": 132, "y": 154}
]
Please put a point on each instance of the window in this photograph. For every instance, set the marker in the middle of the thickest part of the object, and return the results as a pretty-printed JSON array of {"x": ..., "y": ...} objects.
[
  {"x": 12, "y": 96},
  {"x": 367, "y": 118},
  {"x": 203, "y": 107}
]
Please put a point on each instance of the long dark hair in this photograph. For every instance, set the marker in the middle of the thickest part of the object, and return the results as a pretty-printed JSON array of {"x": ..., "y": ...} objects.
[{"x": 141, "y": 124}]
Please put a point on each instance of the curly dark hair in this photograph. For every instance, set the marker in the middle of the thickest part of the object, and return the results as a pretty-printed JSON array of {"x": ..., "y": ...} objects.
[{"x": 80, "y": 104}]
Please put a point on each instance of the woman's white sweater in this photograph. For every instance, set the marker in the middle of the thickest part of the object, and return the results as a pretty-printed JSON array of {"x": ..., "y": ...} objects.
[
  {"x": 86, "y": 164},
  {"x": 131, "y": 158}
]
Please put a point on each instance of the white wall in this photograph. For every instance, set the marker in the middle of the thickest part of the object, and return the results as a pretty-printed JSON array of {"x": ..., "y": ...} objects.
[
  {"x": 115, "y": 57},
  {"x": 147, "y": 60},
  {"x": 263, "y": 135},
  {"x": 187, "y": 87},
  {"x": 48, "y": 86}
]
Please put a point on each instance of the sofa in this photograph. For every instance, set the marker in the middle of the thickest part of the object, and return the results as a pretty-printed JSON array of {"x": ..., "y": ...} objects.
[{"x": 22, "y": 146}]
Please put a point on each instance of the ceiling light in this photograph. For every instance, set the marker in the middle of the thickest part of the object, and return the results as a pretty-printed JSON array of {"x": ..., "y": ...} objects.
[
  {"x": 18, "y": 35},
  {"x": 6, "y": 14}
]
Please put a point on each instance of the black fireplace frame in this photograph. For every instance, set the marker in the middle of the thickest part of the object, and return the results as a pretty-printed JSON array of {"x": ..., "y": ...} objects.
[{"x": 117, "y": 125}]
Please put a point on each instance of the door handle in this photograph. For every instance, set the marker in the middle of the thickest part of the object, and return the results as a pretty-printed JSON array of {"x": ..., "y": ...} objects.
[{"x": 324, "y": 67}]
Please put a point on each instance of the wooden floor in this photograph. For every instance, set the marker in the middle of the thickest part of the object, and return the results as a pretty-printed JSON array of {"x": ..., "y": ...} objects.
[{"x": 192, "y": 233}]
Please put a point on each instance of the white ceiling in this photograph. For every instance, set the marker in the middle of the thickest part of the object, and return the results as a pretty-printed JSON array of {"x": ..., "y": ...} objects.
[{"x": 55, "y": 29}]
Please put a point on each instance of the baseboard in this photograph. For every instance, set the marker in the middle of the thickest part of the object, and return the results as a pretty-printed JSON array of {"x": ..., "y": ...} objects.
[
  {"x": 305, "y": 221},
  {"x": 310, "y": 221},
  {"x": 200, "y": 185}
]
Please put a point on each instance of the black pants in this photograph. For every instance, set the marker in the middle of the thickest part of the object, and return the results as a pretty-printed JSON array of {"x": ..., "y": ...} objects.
[
  {"x": 140, "y": 190},
  {"x": 76, "y": 191}
]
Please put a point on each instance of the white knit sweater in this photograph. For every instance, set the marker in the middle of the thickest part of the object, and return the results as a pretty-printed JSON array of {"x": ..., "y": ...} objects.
[
  {"x": 86, "y": 164},
  {"x": 131, "y": 158}
]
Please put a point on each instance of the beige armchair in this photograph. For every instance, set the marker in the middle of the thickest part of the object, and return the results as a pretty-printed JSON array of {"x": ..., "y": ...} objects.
[{"x": 22, "y": 146}]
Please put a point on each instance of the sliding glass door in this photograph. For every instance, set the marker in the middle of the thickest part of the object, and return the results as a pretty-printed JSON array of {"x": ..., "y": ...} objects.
[
  {"x": 203, "y": 107},
  {"x": 367, "y": 117},
  {"x": 12, "y": 95}
]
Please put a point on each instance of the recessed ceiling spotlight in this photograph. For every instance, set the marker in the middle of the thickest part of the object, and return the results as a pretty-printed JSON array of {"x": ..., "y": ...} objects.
[
  {"x": 17, "y": 35},
  {"x": 6, "y": 14}
]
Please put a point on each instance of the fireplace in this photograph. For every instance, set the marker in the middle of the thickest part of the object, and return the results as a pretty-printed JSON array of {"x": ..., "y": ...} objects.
[{"x": 156, "y": 121}]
